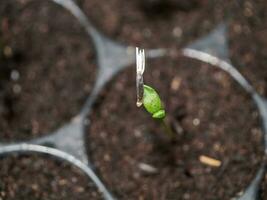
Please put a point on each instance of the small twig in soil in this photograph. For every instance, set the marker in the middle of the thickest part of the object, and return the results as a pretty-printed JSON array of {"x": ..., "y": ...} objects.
[{"x": 210, "y": 161}]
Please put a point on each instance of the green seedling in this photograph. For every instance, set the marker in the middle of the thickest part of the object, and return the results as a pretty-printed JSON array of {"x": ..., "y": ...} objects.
[
  {"x": 153, "y": 105},
  {"x": 147, "y": 96}
]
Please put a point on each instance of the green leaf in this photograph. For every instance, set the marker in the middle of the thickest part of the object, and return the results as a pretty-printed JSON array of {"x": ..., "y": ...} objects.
[{"x": 152, "y": 103}]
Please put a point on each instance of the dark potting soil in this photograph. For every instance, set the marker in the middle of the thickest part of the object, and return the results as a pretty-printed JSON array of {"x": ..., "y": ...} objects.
[
  {"x": 263, "y": 188},
  {"x": 35, "y": 177},
  {"x": 248, "y": 42},
  {"x": 47, "y": 68},
  {"x": 211, "y": 116},
  {"x": 156, "y": 23}
]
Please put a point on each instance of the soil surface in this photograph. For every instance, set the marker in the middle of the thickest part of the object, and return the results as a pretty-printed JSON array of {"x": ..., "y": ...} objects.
[
  {"x": 156, "y": 23},
  {"x": 210, "y": 115},
  {"x": 38, "y": 177},
  {"x": 47, "y": 68},
  {"x": 264, "y": 188},
  {"x": 248, "y": 42}
]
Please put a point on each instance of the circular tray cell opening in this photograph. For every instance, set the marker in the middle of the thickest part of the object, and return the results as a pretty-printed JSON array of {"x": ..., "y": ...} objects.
[
  {"x": 218, "y": 144},
  {"x": 47, "y": 68},
  {"x": 40, "y": 177},
  {"x": 248, "y": 42},
  {"x": 156, "y": 23}
]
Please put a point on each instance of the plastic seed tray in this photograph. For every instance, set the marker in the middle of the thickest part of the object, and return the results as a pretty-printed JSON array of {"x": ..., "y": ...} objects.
[{"x": 67, "y": 143}]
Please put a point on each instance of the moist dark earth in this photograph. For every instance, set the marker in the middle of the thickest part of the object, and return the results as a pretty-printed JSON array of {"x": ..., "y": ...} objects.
[
  {"x": 24, "y": 177},
  {"x": 263, "y": 188},
  {"x": 210, "y": 115},
  {"x": 248, "y": 42},
  {"x": 47, "y": 68},
  {"x": 157, "y": 23}
]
